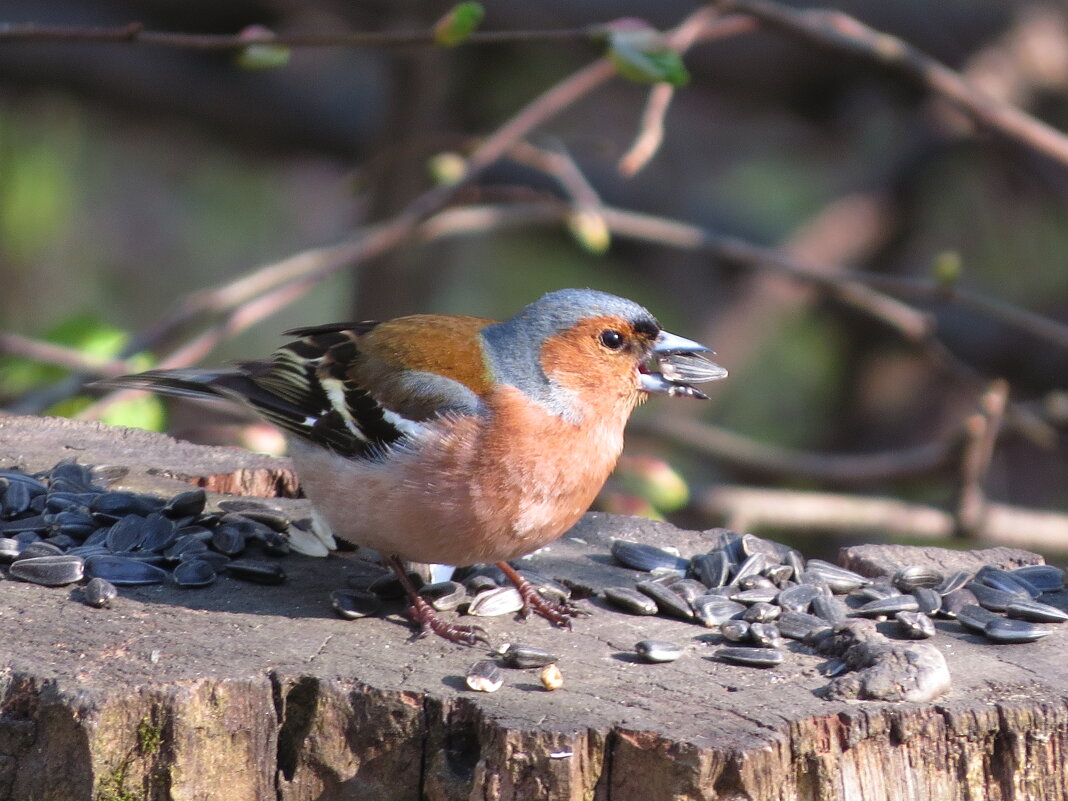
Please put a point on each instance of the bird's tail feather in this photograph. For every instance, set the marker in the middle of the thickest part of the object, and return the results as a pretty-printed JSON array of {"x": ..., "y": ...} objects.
[{"x": 214, "y": 384}]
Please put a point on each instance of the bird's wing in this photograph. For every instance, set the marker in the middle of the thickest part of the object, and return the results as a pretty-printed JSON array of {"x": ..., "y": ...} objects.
[{"x": 355, "y": 388}]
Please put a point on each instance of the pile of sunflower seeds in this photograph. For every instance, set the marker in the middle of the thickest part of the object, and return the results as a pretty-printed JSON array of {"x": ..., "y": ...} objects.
[
  {"x": 756, "y": 593},
  {"x": 62, "y": 525}
]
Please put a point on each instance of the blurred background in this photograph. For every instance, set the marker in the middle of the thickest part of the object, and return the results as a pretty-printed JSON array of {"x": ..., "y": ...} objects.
[{"x": 132, "y": 176}]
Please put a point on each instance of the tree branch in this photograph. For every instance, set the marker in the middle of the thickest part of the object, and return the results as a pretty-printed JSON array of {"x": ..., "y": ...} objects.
[
  {"x": 841, "y": 32},
  {"x": 135, "y": 33}
]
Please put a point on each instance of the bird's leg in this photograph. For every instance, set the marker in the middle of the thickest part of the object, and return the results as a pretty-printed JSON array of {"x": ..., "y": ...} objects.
[
  {"x": 427, "y": 617},
  {"x": 557, "y": 614}
]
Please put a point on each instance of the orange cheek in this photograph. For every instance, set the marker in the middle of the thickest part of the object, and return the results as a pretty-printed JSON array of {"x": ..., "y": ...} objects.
[{"x": 600, "y": 377}]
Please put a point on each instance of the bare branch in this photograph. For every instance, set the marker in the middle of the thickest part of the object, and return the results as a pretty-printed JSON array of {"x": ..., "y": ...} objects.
[
  {"x": 650, "y": 131},
  {"x": 135, "y": 33},
  {"x": 981, "y": 433},
  {"x": 61, "y": 356},
  {"x": 838, "y": 469},
  {"x": 838, "y": 31}
]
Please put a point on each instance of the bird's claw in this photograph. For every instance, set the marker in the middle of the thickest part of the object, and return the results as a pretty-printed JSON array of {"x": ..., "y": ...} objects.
[{"x": 431, "y": 623}]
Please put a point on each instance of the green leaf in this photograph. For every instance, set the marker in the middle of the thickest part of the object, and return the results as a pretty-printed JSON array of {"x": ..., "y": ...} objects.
[
  {"x": 639, "y": 54},
  {"x": 447, "y": 168},
  {"x": 947, "y": 268},
  {"x": 591, "y": 231},
  {"x": 261, "y": 55},
  {"x": 461, "y": 21}
]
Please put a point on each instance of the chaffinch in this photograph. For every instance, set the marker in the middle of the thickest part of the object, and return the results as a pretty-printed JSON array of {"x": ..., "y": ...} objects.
[{"x": 452, "y": 439}]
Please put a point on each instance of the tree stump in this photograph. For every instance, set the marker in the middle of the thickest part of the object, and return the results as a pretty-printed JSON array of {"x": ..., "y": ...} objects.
[{"x": 240, "y": 691}]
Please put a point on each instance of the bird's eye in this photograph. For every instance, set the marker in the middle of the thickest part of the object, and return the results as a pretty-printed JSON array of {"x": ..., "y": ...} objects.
[{"x": 611, "y": 339}]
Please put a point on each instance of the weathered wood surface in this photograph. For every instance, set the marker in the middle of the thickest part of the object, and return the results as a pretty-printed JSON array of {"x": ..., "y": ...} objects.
[{"x": 248, "y": 692}]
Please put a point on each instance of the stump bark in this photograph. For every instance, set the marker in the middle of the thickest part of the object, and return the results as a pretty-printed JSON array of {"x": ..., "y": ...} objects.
[{"x": 241, "y": 691}]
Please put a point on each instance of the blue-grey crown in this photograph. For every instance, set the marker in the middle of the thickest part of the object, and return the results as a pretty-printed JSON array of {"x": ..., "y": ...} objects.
[{"x": 513, "y": 347}]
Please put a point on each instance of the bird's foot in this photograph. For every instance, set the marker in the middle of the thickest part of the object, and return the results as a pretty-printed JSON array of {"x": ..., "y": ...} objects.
[
  {"x": 427, "y": 617},
  {"x": 431, "y": 623},
  {"x": 559, "y": 614}
]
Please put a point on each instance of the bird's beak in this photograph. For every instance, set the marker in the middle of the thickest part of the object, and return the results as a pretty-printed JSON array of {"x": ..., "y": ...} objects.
[{"x": 676, "y": 363}]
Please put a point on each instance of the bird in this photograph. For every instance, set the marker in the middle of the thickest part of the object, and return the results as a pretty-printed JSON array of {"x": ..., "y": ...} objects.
[{"x": 453, "y": 439}]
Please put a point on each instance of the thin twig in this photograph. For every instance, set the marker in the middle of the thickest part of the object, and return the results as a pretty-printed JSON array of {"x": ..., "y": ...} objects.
[
  {"x": 838, "y": 469},
  {"x": 833, "y": 29},
  {"x": 650, "y": 131},
  {"x": 697, "y": 28},
  {"x": 981, "y": 433},
  {"x": 560, "y": 165},
  {"x": 135, "y": 33},
  {"x": 61, "y": 356}
]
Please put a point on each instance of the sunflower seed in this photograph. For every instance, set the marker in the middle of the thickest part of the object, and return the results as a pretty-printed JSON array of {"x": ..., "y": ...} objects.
[
  {"x": 9, "y": 549},
  {"x": 99, "y": 593},
  {"x": 956, "y": 600},
  {"x": 975, "y": 618},
  {"x": 638, "y": 556},
  {"x": 713, "y": 610},
  {"x": 909, "y": 578},
  {"x": 829, "y": 608},
  {"x": 711, "y": 569},
  {"x": 159, "y": 533},
  {"x": 353, "y": 604},
  {"x": 16, "y": 499},
  {"x": 479, "y": 582},
  {"x": 797, "y": 598},
  {"x": 1006, "y": 582},
  {"x": 228, "y": 539},
  {"x": 752, "y": 566},
  {"x": 628, "y": 600},
  {"x": 484, "y": 677},
  {"x": 122, "y": 572},
  {"x": 838, "y": 578},
  {"x": 688, "y": 589},
  {"x": 992, "y": 598},
  {"x": 929, "y": 601},
  {"x": 658, "y": 650},
  {"x": 256, "y": 571},
  {"x": 117, "y": 505},
  {"x": 887, "y": 606},
  {"x": 516, "y": 655},
  {"x": 668, "y": 602},
  {"x": 1036, "y": 612},
  {"x": 39, "y": 548},
  {"x": 194, "y": 573},
  {"x": 1004, "y": 630},
  {"x": 778, "y": 574},
  {"x": 762, "y": 612},
  {"x": 1043, "y": 577},
  {"x": 954, "y": 581},
  {"x": 765, "y": 635},
  {"x": 735, "y": 630},
  {"x": 444, "y": 595},
  {"x": 757, "y": 595},
  {"x": 752, "y": 657},
  {"x": 798, "y": 625},
  {"x": 915, "y": 625},
  {"x": 185, "y": 504},
  {"x": 126, "y": 534},
  {"x": 491, "y": 603},
  {"x": 49, "y": 571}
]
